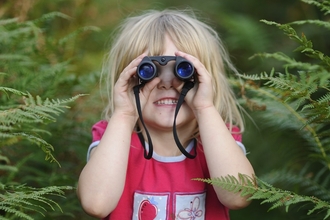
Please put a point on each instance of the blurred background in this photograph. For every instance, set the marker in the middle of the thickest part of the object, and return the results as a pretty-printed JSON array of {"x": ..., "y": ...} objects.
[{"x": 238, "y": 23}]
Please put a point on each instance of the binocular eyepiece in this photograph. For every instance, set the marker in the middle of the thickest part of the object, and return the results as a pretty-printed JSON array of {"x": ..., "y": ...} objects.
[{"x": 147, "y": 70}]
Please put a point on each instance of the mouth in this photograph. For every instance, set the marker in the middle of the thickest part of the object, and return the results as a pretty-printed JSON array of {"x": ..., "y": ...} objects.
[{"x": 166, "y": 102}]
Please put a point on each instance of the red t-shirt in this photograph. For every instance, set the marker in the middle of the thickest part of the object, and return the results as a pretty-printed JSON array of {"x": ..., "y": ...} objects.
[{"x": 162, "y": 187}]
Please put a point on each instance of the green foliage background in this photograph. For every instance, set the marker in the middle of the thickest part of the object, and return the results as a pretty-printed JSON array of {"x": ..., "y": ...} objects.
[{"x": 63, "y": 58}]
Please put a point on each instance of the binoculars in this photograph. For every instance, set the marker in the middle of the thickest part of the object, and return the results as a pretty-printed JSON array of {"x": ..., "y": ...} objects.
[{"x": 147, "y": 69}]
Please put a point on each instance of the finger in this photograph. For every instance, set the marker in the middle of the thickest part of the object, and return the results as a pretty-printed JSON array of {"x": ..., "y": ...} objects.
[
  {"x": 130, "y": 70},
  {"x": 177, "y": 84},
  {"x": 199, "y": 67},
  {"x": 189, "y": 57},
  {"x": 150, "y": 86}
]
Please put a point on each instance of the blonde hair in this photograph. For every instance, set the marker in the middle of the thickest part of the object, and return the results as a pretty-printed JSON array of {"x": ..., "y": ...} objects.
[{"x": 147, "y": 32}]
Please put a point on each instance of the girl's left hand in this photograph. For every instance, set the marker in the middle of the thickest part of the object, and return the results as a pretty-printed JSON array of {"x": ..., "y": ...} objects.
[{"x": 201, "y": 95}]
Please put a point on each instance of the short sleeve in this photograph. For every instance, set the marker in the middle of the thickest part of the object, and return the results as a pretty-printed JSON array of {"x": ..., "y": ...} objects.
[
  {"x": 98, "y": 130},
  {"x": 237, "y": 135}
]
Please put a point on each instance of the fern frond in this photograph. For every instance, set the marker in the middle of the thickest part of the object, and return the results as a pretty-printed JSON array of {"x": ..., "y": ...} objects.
[
  {"x": 233, "y": 184},
  {"x": 4, "y": 161},
  {"x": 17, "y": 200},
  {"x": 306, "y": 46},
  {"x": 324, "y": 99},
  {"x": 267, "y": 193},
  {"x": 46, "y": 147},
  {"x": 299, "y": 91},
  {"x": 324, "y": 24},
  {"x": 290, "y": 62},
  {"x": 8, "y": 168},
  {"x": 11, "y": 90},
  {"x": 35, "y": 110},
  {"x": 309, "y": 182},
  {"x": 4, "y": 22},
  {"x": 16, "y": 212},
  {"x": 288, "y": 114},
  {"x": 49, "y": 16},
  {"x": 322, "y": 5},
  {"x": 76, "y": 33}
]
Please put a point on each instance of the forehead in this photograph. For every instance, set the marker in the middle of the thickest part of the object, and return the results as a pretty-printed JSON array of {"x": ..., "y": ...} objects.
[
  {"x": 161, "y": 45},
  {"x": 169, "y": 47}
]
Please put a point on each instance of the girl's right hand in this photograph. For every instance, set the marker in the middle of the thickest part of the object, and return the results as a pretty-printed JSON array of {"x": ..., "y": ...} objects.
[{"x": 124, "y": 101}]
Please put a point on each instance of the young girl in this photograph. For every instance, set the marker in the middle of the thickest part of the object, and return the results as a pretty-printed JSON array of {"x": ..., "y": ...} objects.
[{"x": 117, "y": 181}]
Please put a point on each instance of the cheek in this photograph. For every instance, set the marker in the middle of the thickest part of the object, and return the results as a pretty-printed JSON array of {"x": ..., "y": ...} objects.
[{"x": 189, "y": 112}]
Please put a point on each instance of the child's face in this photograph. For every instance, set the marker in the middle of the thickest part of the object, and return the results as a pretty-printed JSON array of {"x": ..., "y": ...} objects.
[{"x": 160, "y": 107}]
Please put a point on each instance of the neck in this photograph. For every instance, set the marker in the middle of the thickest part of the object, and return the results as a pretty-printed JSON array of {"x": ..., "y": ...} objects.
[{"x": 163, "y": 141}]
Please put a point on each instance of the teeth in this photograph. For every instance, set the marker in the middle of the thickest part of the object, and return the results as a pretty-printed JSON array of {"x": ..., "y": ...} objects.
[{"x": 167, "y": 102}]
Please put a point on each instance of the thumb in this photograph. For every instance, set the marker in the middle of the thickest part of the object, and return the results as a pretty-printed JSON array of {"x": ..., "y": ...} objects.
[{"x": 148, "y": 87}]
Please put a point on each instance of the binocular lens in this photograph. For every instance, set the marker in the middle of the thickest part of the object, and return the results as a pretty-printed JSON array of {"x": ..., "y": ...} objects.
[
  {"x": 146, "y": 71},
  {"x": 184, "y": 70}
]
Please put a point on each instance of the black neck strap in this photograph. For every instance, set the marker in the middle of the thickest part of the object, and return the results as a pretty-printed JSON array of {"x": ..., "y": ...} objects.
[
  {"x": 148, "y": 153},
  {"x": 187, "y": 86}
]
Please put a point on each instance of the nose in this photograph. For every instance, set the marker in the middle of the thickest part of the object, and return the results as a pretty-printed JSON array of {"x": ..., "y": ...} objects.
[{"x": 167, "y": 77}]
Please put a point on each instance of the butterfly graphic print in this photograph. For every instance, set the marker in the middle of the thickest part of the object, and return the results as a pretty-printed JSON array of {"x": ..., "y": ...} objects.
[{"x": 193, "y": 212}]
